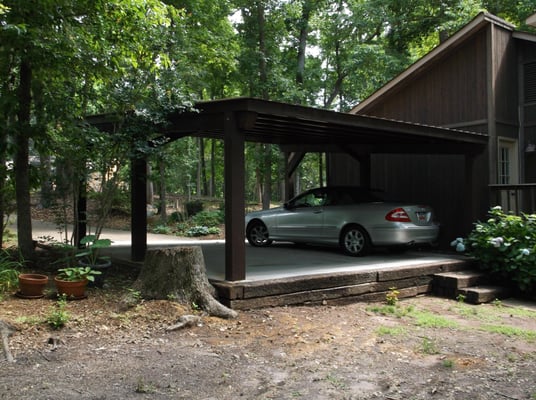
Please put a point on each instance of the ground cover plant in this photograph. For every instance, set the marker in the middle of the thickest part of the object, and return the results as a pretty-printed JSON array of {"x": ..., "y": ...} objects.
[{"x": 505, "y": 245}]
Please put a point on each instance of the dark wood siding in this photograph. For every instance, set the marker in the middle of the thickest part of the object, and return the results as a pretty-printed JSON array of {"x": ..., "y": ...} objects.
[
  {"x": 435, "y": 180},
  {"x": 505, "y": 80},
  {"x": 451, "y": 91}
]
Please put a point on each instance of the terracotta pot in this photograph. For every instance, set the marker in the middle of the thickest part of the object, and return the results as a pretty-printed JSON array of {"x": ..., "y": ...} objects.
[
  {"x": 72, "y": 289},
  {"x": 32, "y": 286}
]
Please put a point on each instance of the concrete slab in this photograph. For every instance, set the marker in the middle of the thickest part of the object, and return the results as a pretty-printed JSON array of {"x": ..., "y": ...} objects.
[{"x": 281, "y": 260}]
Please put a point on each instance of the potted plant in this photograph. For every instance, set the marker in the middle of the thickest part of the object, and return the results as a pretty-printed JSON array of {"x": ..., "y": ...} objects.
[
  {"x": 89, "y": 257},
  {"x": 32, "y": 286},
  {"x": 72, "y": 281}
]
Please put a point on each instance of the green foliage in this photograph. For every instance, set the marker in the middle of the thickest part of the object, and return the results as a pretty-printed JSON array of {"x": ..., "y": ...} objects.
[
  {"x": 58, "y": 315},
  {"x": 9, "y": 271},
  {"x": 391, "y": 298},
  {"x": 209, "y": 218},
  {"x": 175, "y": 217},
  {"x": 74, "y": 274},
  {"x": 430, "y": 319},
  {"x": 90, "y": 254},
  {"x": 505, "y": 245},
  {"x": 193, "y": 207},
  {"x": 162, "y": 229},
  {"x": 197, "y": 230},
  {"x": 428, "y": 346}
]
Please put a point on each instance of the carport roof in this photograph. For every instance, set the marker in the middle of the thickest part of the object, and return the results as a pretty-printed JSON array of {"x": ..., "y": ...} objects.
[{"x": 293, "y": 125}]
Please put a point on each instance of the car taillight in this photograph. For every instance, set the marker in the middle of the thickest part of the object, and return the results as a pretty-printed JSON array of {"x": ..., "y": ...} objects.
[{"x": 397, "y": 215}]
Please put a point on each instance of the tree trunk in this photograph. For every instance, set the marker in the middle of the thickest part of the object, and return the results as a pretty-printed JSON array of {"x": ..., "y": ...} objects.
[
  {"x": 179, "y": 273},
  {"x": 162, "y": 191},
  {"x": 22, "y": 170},
  {"x": 302, "y": 40}
]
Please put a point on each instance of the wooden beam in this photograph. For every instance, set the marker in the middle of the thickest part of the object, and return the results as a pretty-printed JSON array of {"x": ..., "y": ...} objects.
[{"x": 235, "y": 246}]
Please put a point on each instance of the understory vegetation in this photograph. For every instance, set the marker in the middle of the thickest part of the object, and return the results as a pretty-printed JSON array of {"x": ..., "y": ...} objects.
[{"x": 505, "y": 246}]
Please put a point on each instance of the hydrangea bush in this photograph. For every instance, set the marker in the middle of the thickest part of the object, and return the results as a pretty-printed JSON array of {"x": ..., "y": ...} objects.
[{"x": 505, "y": 245}]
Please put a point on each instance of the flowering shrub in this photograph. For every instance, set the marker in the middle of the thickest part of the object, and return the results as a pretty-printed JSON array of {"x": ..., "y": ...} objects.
[{"x": 505, "y": 245}]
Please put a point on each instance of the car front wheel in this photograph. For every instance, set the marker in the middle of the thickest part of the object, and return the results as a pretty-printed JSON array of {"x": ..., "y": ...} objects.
[
  {"x": 257, "y": 234},
  {"x": 354, "y": 241}
]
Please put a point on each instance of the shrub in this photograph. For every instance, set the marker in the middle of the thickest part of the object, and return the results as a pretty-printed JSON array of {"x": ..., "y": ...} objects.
[
  {"x": 193, "y": 207},
  {"x": 505, "y": 245},
  {"x": 9, "y": 271},
  {"x": 208, "y": 218},
  {"x": 200, "y": 230},
  {"x": 197, "y": 231}
]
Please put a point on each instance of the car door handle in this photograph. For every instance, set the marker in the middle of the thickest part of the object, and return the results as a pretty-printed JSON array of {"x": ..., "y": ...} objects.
[{"x": 317, "y": 211}]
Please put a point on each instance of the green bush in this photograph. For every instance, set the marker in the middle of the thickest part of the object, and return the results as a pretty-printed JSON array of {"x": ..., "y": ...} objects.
[
  {"x": 202, "y": 231},
  {"x": 9, "y": 272},
  {"x": 505, "y": 245},
  {"x": 208, "y": 218},
  {"x": 175, "y": 217},
  {"x": 193, "y": 207}
]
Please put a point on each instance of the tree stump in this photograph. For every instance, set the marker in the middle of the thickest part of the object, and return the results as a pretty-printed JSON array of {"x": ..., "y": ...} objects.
[{"x": 179, "y": 273}]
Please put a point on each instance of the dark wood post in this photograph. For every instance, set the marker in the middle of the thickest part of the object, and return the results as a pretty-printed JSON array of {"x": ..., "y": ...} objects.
[
  {"x": 80, "y": 229},
  {"x": 138, "y": 197},
  {"x": 235, "y": 247}
]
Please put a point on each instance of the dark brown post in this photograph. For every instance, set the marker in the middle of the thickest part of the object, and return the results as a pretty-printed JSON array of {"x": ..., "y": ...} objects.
[
  {"x": 138, "y": 197},
  {"x": 80, "y": 230},
  {"x": 235, "y": 247}
]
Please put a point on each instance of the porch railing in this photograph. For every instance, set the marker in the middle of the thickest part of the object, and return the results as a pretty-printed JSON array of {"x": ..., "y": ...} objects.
[{"x": 520, "y": 198}]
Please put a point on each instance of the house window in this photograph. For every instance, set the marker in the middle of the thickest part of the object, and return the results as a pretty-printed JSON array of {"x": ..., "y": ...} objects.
[
  {"x": 504, "y": 165},
  {"x": 530, "y": 82},
  {"x": 507, "y": 162}
]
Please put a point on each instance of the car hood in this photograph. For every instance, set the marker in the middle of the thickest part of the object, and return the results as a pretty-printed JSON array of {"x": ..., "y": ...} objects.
[{"x": 264, "y": 213}]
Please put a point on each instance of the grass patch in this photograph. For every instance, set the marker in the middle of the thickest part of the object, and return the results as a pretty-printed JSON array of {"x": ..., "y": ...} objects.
[
  {"x": 393, "y": 310},
  {"x": 428, "y": 346},
  {"x": 391, "y": 331},
  {"x": 427, "y": 319},
  {"x": 510, "y": 331}
]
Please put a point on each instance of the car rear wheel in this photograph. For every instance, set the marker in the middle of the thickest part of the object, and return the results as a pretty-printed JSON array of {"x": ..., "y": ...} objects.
[
  {"x": 257, "y": 234},
  {"x": 354, "y": 241}
]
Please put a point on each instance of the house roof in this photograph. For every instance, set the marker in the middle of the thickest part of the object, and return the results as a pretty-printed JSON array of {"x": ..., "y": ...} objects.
[
  {"x": 531, "y": 20},
  {"x": 480, "y": 21}
]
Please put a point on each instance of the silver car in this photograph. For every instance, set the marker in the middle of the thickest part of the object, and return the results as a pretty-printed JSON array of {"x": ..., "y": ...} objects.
[{"x": 350, "y": 217}]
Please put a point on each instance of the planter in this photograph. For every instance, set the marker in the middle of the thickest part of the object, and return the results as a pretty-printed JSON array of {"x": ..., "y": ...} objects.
[
  {"x": 72, "y": 289},
  {"x": 32, "y": 286},
  {"x": 102, "y": 266}
]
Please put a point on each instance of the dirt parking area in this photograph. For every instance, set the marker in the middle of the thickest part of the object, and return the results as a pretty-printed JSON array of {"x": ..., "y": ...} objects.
[{"x": 422, "y": 348}]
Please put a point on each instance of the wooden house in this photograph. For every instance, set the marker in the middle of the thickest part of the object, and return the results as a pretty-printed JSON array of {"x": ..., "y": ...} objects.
[{"x": 482, "y": 79}]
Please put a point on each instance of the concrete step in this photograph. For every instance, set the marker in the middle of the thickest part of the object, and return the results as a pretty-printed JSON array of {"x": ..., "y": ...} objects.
[{"x": 483, "y": 294}]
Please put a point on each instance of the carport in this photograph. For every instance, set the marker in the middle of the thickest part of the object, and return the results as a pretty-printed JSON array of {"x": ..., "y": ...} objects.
[{"x": 297, "y": 130}]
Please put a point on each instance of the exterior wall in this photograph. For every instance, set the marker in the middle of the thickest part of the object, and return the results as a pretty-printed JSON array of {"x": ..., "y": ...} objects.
[
  {"x": 505, "y": 78},
  {"x": 527, "y": 109},
  {"x": 452, "y": 91}
]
